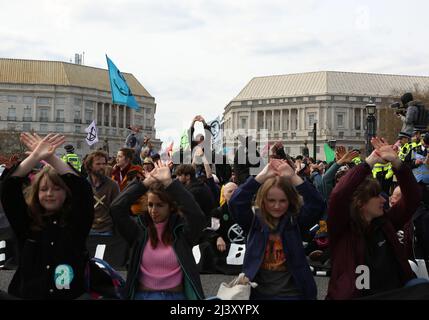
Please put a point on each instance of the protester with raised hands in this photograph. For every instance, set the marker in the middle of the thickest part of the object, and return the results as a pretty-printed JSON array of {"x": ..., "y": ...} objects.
[
  {"x": 362, "y": 234},
  {"x": 51, "y": 223},
  {"x": 162, "y": 266},
  {"x": 337, "y": 169},
  {"x": 275, "y": 257}
]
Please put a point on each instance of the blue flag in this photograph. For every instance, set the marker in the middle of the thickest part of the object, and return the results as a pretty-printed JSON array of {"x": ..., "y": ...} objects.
[{"x": 121, "y": 93}]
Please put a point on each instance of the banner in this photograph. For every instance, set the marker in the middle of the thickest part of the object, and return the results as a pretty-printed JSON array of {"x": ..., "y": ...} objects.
[
  {"x": 329, "y": 153},
  {"x": 217, "y": 140},
  {"x": 92, "y": 134},
  {"x": 121, "y": 93}
]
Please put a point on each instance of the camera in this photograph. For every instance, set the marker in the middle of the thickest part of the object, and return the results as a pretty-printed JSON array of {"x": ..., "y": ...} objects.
[{"x": 399, "y": 108}]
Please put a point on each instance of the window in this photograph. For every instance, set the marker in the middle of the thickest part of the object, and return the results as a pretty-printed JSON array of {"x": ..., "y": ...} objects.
[
  {"x": 340, "y": 120},
  {"x": 293, "y": 135},
  {"x": 43, "y": 101},
  {"x": 287, "y": 150},
  {"x": 299, "y": 99},
  {"x": 60, "y": 115},
  {"x": 89, "y": 104},
  {"x": 311, "y": 118},
  {"x": 28, "y": 100},
  {"x": 357, "y": 119},
  {"x": 26, "y": 127},
  {"x": 59, "y": 128},
  {"x": 27, "y": 114},
  {"x": 77, "y": 129},
  {"x": 11, "y": 126},
  {"x": 43, "y": 114},
  {"x": 148, "y": 124},
  {"x": 243, "y": 123},
  {"x": 341, "y": 134},
  {"x": 249, "y": 103},
  {"x": 88, "y": 116},
  {"x": 284, "y": 135},
  {"x": 60, "y": 101},
  {"x": 77, "y": 117},
  {"x": 43, "y": 127},
  {"x": 11, "y": 98},
  {"x": 77, "y": 101},
  {"x": 11, "y": 114}
]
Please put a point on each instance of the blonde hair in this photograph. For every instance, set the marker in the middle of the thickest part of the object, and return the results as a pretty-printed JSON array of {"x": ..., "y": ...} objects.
[{"x": 294, "y": 198}]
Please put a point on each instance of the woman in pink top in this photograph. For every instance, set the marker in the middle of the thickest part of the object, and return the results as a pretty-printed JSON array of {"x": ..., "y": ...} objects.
[{"x": 162, "y": 265}]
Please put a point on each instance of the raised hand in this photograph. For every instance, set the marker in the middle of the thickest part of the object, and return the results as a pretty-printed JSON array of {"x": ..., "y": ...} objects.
[
  {"x": 30, "y": 140},
  {"x": 283, "y": 169},
  {"x": 268, "y": 172},
  {"x": 348, "y": 157},
  {"x": 378, "y": 142},
  {"x": 387, "y": 153},
  {"x": 161, "y": 173},
  {"x": 340, "y": 152},
  {"x": 46, "y": 147}
]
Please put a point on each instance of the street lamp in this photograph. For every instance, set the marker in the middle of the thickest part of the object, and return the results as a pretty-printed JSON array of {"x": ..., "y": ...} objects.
[{"x": 371, "y": 125}]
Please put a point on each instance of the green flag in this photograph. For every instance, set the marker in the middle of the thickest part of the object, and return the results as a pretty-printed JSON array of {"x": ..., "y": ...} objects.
[
  {"x": 184, "y": 141},
  {"x": 329, "y": 153}
]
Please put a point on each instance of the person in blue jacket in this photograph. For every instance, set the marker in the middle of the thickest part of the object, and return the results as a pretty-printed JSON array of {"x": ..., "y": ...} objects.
[{"x": 275, "y": 257}]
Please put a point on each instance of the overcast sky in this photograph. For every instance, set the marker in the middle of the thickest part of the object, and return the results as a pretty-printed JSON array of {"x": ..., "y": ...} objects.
[{"x": 194, "y": 56}]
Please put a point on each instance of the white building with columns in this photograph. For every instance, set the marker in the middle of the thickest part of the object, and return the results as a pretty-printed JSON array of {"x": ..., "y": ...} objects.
[
  {"x": 53, "y": 96},
  {"x": 288, "y": 105}
]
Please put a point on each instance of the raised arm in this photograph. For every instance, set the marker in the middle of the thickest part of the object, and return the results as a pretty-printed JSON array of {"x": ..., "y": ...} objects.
[
  {"x": 341, "y": 196},
  {"x": 120, "y": 208},
  {"x": 55, "y": 140},
  {"x": 404, "y": 209},
  {"x": 41, "y": 149},
  {"x": 240, "y": 204},
  {"x": 195, "y": 220},
  {"x": 314, "y": 205}
]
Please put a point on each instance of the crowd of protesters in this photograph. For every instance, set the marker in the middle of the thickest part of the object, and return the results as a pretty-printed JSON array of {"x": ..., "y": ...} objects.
[{"x": 295, "y": 215}]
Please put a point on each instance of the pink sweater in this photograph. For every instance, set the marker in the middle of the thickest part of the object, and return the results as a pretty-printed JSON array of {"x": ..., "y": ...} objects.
[{"x": 159, "y": 268}]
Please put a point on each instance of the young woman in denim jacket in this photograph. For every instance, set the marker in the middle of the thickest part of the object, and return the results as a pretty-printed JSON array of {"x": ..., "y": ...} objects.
[{"x": 275, "y": 257}]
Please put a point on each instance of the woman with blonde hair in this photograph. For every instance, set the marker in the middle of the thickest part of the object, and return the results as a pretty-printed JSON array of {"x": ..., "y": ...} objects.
[{"x": 275, "y": 257}]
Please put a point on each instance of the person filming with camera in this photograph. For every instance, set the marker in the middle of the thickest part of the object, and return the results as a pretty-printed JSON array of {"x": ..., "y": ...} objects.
[{"x": 412, "y": 113}]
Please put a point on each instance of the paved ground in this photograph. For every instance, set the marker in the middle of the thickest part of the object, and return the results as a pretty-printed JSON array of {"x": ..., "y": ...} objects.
[{"x": 210, "y": 282}]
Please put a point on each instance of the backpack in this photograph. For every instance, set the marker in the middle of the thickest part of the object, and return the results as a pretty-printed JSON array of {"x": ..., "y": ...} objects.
[
  {"x": 422, "y": 120},
  {"x": 102, "y": 281}
]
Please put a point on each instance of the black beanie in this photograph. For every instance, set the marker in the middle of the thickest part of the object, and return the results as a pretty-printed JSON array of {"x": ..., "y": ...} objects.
[{"x": 406, "y": 97}]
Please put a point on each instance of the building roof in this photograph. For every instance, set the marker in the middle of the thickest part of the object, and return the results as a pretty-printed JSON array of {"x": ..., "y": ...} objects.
[
  {"x": 330, "y": 83},
  {"x": 62, "y": 73}
]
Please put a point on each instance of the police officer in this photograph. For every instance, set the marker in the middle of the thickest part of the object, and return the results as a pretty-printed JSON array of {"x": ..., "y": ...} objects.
[
  {"x": 72, "y": 157},
  {"x": 405, "y": 146}
]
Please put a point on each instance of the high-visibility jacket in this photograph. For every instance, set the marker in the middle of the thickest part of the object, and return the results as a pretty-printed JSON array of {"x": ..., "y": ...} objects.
[
  {"x": 357, "y": 160},
  {"x": 73, "y": 159},
  {"x": 404, "y": 151},
  {"x": 384, "y": 168}
]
